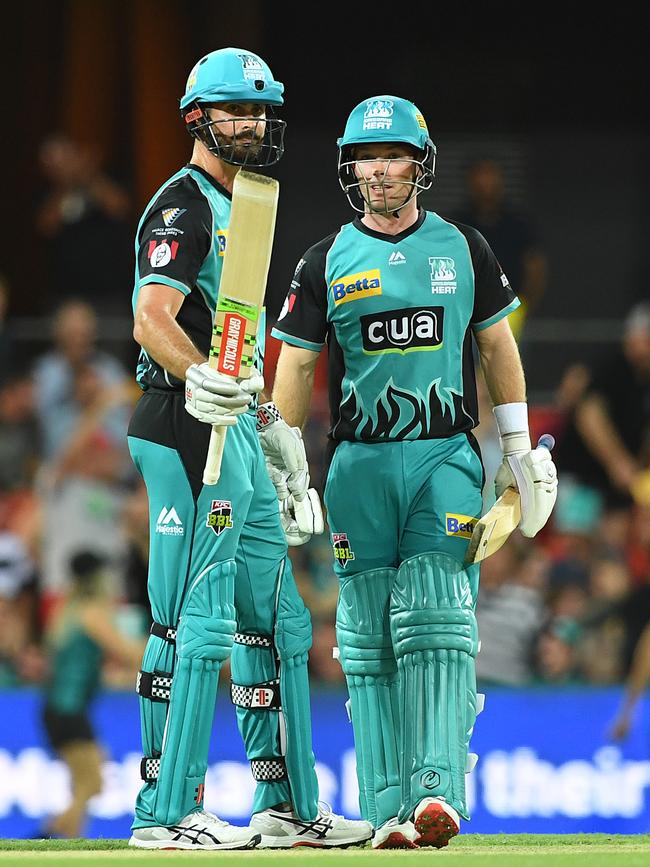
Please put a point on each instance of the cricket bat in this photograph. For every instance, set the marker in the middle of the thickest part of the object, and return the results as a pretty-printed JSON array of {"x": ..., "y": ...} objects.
[
  {"x": 241, "y": 290},
  {"x": 494, "y": 528}
]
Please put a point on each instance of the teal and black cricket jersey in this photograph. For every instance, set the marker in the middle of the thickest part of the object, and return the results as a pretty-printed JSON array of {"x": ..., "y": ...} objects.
[{"x": 397, "y": 313}]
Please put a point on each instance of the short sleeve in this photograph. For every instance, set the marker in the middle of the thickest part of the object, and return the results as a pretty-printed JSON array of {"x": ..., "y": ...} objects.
[
  {"x": 303, "y": 319},
  {"x": 494, "y": 297},
  {"x": 174, "y": 239}
]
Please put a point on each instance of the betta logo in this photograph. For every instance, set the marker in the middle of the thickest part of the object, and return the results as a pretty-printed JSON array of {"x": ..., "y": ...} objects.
[
  {"x": 459, "y": 525},
  {"x": 410, "y": 329},
  {"x": 354, "y": 286},
  {"x": 220, "y": 516}
]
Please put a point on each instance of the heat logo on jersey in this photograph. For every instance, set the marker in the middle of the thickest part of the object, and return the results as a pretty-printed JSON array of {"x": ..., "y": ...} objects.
[
  {"x": 343, "y": 553},
  {"x": 161, "y": 254},
  {"x": 222, "y": 238},
  {"x": 459, "y": 525},
  {"x": 443, "y": 275},
  {"x": 220, "y": 516},
  {"x": 354, "y": 286},
  {"x": 410, "y": 329}
]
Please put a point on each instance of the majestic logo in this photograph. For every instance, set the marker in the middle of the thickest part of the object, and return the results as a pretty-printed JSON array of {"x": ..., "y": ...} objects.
[
  {"x": 170, "y": 215},
  {"x": 161, "y": 254},
  {"x": 397, "y": 258},
  {"x": 378, "y": 114},
  {"x": 354, "y": 286},
  {"x": 342, "y": 551},
  {"x": 443, "y": 275},
  {"x": 222, "y": 238},
  {"x": 459, "y": 525},
  {"x": 168, "y": 523},
  {"x": 430, "y": 779},
  {"x": 220, "y": 516},
  {"x": 410, "y": 329},
  {"x": 253, "y": 69}
]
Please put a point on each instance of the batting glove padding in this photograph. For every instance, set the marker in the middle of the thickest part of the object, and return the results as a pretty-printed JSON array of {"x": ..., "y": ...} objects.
[
  {"x": 212, "y": 397},
  {"x": 301, "y": 519},
  {"x": 284, "y": 450}
]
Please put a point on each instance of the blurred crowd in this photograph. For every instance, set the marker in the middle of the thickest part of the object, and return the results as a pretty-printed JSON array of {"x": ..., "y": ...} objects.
[{"x": 566, "y": 608}]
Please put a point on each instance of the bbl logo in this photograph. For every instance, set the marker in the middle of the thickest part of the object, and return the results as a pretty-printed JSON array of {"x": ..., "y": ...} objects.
[
  {"x": 220, "y": 516},
  {"x": 342, "y": 551}
]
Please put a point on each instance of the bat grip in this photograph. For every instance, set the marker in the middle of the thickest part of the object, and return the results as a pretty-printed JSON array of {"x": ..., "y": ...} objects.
[
  {"x": 212, "y": 469},
  {"x": 546, "y": 441}
]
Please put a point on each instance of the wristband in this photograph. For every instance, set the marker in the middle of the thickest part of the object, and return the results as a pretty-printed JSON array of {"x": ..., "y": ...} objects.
[{"x": 267, "y": 414}]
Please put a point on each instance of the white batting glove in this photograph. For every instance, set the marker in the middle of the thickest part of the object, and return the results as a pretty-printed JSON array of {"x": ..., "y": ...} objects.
[
  {"x": 253, "y": 384},
  {"x": 212, "y": 397},
  {"x": 301, "y": 520},
  {"x": 283, "y": 449},
  {"x": 530, "y": 471}
]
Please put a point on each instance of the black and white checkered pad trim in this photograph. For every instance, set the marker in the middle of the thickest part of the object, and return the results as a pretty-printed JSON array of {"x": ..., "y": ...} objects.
[
  {"x": 167, "y": 633},
  {"x": 264, "y": 696},
  {"x": 267, "y": 414},
  {"x": 253, "y": 640},
  {"x": 155, "y": 686},
  {"x": 268, "y": 770},
  {"x": 149, "y": 769}
]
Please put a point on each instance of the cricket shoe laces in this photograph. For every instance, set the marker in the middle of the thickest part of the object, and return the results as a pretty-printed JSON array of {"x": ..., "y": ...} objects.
[
  {"x": 394, "y": 834},
  {"x": 436, "y": 822},
  {"x": 197, "y": 830},
  {"x": 285, "y": 829}
]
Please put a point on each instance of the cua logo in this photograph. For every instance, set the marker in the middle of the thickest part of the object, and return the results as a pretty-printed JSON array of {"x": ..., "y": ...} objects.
[{"x": 409, "y": 329}]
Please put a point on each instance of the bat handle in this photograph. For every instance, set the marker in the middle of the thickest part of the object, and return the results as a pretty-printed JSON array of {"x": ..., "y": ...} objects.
[
  {"x": 212, "y": 469},
  {"x": 546, "y": 441}
]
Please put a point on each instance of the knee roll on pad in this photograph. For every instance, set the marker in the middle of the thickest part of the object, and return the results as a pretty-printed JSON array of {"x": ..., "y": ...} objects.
[
  {"x": 368, "y": 662},
  {"x": 435, "y": 638},
  {"x": 203, "y": 641}
]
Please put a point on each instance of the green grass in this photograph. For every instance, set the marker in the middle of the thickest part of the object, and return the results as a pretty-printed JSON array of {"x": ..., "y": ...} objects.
[{"x": 470, "y": 850}]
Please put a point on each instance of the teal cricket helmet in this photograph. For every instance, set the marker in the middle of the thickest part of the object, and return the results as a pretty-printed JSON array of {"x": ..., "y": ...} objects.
[
  {"x": 385, "y": 119},
  {"x": 234, "y": 75}
]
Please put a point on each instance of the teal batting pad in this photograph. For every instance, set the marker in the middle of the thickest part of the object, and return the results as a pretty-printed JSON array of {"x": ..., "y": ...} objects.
[
  {"x": 204, "y": 640},
  {"x": 368, "y": 661},
  {"x": 435, "y": 639}
]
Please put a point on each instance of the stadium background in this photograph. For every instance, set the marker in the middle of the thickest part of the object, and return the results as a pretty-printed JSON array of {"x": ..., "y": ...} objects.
[{"x": 559, "y": 100}]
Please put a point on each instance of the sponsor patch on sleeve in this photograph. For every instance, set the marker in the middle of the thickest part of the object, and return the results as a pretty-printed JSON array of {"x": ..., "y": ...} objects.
[{"x": 459, "y": 525}]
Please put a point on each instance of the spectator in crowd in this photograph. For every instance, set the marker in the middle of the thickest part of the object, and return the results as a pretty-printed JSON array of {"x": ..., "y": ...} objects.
[
  {"x": 81, "y": 638},
  {"x": 19, "y": 436},
  {"x": 84, "y": 219},
  {"x": 75, "y": 347},
  {"x": 509, "y": 232},
  {"x": 606, "y": 444},
  {"x": 19, "y": 659},
  {"x": 554, "y": 659},
  {"x": 510, "y": 612}
]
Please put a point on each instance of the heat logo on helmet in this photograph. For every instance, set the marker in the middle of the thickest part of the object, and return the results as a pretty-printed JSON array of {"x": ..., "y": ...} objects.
[
  {"x": 459, "y": 525},
  {"x": 443, "y": 275},
  {"x": 378, "y": 114},
  {"x": 343, "y": 553},
  {"x": 161, "y": 254},
  {"x": 356, "y": 286},
  {"x": 253, "y": 69},
  {"x": 220, "y": 516}
]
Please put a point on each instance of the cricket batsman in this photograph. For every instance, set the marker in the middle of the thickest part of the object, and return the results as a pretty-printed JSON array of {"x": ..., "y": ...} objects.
[
  {"x": 220, "y": 582},
  {"x": 399, "y": 295}
]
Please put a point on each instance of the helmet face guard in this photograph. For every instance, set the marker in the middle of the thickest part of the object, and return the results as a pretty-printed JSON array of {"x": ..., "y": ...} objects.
[
  {"x": 262, "y": 144},
  {"x": 354, "y": 186},
  {"x": 385, "y": 120}
]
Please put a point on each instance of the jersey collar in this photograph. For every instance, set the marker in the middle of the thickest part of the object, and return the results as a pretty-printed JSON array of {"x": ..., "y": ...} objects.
[
  {"x": 208, "y": 177},
  {"x": 392, "y": 239}
]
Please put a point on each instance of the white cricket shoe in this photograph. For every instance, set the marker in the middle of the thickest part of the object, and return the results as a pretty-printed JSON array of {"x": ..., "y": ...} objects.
[
  {"x": 284, "y": 830},
  {"x": 395, "y": 835},
  {"x": 436, "y": 822},
  {"x": 199, "y": 830}
]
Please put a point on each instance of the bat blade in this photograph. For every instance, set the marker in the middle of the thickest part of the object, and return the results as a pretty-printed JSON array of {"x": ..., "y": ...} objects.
[
  {"x": 241, "y": 289},
  {"x": 492, "y": 530}
]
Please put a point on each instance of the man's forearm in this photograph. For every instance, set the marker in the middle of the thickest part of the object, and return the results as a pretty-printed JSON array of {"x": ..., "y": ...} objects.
[
  {"x": 502, "y": 368},
  {"x": 165, "y": 341},
  {"x": 292, "y": 389}
]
